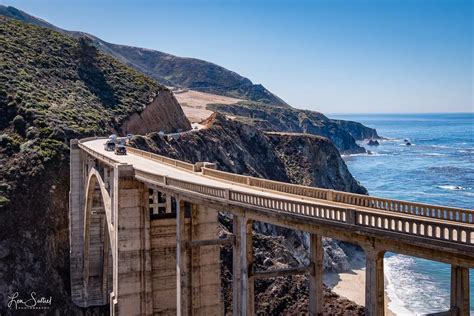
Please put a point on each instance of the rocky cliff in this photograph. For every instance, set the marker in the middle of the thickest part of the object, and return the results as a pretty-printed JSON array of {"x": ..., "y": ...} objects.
[
  {"x": 290, "y": 120},
  {"x": 163, "y": 114},
  {"x": 358, "y": 130},
  {"x": 244, "y": 149}
]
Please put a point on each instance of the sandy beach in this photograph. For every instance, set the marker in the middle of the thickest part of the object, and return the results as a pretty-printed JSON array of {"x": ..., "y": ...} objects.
[{"x": 351, "y": 285}]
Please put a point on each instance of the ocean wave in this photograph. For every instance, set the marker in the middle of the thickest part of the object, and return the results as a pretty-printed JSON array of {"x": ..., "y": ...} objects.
[
  {"x": 368, "y": 154},
  {"x": 435, "y": 154},
  {"x": 412, "y": 292},
  {"x": 453, "y": 187}
]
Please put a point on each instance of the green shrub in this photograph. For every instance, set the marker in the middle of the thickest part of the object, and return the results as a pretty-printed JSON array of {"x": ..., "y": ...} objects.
[{"x": 20, "y": 124}]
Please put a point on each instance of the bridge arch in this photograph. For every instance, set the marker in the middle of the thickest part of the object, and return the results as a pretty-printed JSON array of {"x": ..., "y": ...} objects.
[{"x": 98, "y": 240}]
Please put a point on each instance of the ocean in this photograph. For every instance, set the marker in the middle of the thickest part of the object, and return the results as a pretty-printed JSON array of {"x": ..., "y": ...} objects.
[{"x": 439, "y": 169}]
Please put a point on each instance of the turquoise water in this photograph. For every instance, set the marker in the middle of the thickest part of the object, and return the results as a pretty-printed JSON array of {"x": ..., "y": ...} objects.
[{"x": 437, "y": 169}]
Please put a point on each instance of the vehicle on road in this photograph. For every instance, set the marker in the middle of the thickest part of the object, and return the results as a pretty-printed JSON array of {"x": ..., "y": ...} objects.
[
  {"x": 109, "y": 145},
  {"x": 120, "y": 150}
]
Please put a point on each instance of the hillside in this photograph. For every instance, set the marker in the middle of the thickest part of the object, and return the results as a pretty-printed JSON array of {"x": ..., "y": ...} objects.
[
  {"x": 168, "y": 69},
  {"x": 54, "y": 88}
]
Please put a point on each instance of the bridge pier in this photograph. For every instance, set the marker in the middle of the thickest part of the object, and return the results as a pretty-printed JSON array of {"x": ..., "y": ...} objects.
[
  {"x": 374, "y": 282},
  {"x": 76, "y": 223},
  {"x": 460, "y": 290},
  {"x": 182, "y": 295},
  {"x": 236, "y": 281},
  {"x": 316, "y": 254},
  {"x": 247, "y": 282},
  {"x": 132, "y": 266}
]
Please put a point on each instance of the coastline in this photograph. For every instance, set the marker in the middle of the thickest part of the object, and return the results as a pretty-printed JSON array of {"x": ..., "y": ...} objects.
[{"x": 349, "y": 284}]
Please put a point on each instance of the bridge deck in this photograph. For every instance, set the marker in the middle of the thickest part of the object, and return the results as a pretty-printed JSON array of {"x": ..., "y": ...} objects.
[{"x": 450, "y": 233}]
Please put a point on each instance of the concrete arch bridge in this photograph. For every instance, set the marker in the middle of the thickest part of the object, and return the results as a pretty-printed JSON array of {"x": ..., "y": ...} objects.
[{"x": 143, "y": 234}]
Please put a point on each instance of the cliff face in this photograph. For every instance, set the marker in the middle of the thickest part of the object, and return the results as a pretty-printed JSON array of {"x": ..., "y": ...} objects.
[
  {"x": 358, "y": 130},
  {"x": 290, "y": 120},
  {"x": 163, "y": 114},
  {"x": 240, "y": 148}
]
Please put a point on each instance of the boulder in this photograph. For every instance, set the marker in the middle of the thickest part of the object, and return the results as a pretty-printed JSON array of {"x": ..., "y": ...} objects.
[{"x": 373, "y": 142}]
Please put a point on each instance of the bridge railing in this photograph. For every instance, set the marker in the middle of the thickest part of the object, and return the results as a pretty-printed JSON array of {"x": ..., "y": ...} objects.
[
  {"x": 460, "y": 233},
  {"x": 166, "y": 160},
  {"x": 418, "y": 209},
  {"x": 421, "y": 225}
]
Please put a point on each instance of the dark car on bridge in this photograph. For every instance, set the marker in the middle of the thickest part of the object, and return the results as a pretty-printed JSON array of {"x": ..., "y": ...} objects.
[
  {"x": 109, "y": 145},
  {"x": 120, "y": 150}
]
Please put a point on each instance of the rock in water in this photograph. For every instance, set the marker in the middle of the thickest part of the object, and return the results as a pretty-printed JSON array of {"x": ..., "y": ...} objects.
[{"x": 373, "y": 142}]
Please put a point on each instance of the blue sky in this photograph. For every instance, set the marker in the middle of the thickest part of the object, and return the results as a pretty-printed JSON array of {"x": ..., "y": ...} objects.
[{"x": 333, "y": 56}]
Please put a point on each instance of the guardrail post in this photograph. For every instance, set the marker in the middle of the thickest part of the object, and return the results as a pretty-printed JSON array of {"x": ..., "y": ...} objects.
[
  {"x": 351, "y": 216},
  {"x": 329, "y": 195}
]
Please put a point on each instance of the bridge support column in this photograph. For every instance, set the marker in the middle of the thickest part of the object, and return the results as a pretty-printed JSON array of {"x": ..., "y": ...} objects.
[
  {"x": 246, "y": 268},
  {"x": 76, "y": 223},
  {"x": 374, "y": 283},
  {"x": 132, "y": 263},
  {"x": 205, "y": 263},
  {"x": 316, "y": 275},
  {"x": 460, "y": 290},
  {"x": 236, "y": 281},
  {"x": 182, "y": 295}
]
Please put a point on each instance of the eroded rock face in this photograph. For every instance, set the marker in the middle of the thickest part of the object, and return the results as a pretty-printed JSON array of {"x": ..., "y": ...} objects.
[
  {"x": 244, "y": 149},
  {"x": 358, "y": 130},
  {"x": 163, "y": 114},
  {"x": 290, "y": 120}
]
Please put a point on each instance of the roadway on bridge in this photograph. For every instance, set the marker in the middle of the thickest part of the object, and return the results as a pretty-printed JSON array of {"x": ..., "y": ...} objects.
[{"x": 161, "y": 169}]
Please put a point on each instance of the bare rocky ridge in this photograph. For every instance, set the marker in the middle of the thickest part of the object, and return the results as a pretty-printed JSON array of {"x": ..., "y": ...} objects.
[{"x": 163, "y": 114}]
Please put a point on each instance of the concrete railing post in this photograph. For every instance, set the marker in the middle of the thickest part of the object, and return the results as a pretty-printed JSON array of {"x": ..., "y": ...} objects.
[
  {"x": 316, "y": 276},
  {"x": 460, "y": 290},
  {"x": 374, "y": 283}
]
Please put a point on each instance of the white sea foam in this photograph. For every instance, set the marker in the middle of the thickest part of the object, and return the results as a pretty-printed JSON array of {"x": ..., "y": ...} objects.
[
  {"x": 452, "y": 187},
  {"x": 435, "y": 154},
  {"x": 412, "y": 292}
]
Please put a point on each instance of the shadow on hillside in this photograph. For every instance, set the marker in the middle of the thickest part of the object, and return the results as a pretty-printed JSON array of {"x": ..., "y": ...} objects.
[{"x": 94, "y": 79}]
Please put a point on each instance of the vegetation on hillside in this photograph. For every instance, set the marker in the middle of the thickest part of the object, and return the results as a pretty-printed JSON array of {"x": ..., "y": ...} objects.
[
  {"x": 167, "y": 69},
  {"x": 54, "y": 88}
]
